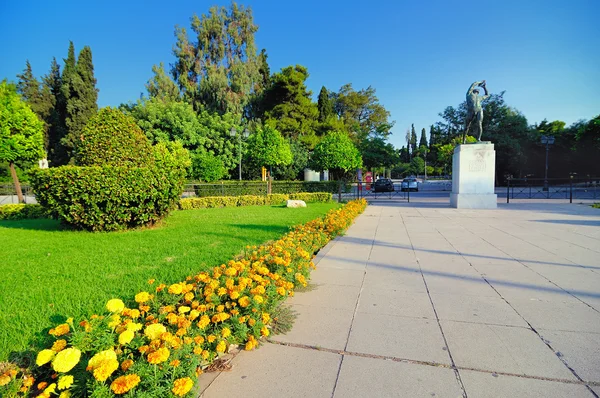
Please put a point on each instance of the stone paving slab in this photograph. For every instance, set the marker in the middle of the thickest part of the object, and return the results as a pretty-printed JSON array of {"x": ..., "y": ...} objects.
[
  {"x": 487, "y": 385},
  {"x": 479, "y": 309},
  {"x": 569, "y": 314},
  {"x": 335, "y": 276},
  {"x": 401, "y": 337},
  {"x": 277, "y": 371},
  {"x": 504, "y": 349},
  {"x": 579, "y": 350},
  {"x": 319, "y": 326},
  {"x": 395, "y": 302},
  {"x": 367, "y": 377},
  {"x": 329, "y": 296}
]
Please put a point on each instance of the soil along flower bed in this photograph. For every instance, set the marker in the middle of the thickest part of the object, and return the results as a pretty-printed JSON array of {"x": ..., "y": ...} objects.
[{"x": 157, "y": 344}]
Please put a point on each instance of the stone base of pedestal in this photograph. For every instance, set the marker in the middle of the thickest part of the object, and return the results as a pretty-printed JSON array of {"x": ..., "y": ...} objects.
[
  {"x": 473, "y": 171},
  {"x": 473, "y": 201}
]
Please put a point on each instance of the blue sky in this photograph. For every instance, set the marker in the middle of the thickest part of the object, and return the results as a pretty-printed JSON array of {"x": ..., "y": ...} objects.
[{"x": 420, "y": 56}]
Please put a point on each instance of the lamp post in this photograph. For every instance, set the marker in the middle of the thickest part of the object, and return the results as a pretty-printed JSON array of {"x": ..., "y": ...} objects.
[
  {"x": 547, "y": 140},
  {"x": 244, "y": 134}
]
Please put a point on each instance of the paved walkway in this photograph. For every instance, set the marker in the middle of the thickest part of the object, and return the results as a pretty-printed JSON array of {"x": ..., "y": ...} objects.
[{"x": 421, "y": 300}]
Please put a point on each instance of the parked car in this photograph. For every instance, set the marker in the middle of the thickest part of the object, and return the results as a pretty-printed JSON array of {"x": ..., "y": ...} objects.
[
  {"x": 409, "y": 184},
  {"x": 383, "y": 185}
]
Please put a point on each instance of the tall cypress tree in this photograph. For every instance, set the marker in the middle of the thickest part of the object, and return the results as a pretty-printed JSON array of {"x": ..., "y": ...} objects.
[
  {"x": 83, "y": 97},
  {"x": 324, "y": 104},
  {"x": 423, "y": 140},
  {"x": 413, "y": 140},
  {"x": 55, "y": 120}
]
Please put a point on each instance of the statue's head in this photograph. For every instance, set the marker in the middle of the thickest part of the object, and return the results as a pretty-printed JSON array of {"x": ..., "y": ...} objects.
[{"x": 476, "y": 91}]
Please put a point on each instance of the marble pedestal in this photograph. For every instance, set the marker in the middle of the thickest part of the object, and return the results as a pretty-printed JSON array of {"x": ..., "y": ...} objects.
[{"x": 473, "y": 173}]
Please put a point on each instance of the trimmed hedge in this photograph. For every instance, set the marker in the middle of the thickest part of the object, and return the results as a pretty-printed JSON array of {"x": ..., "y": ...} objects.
[
  {"x": 22, "y": 212},
  {"x": 250, "y": 200},
  {"x": 260, "y": 188}
]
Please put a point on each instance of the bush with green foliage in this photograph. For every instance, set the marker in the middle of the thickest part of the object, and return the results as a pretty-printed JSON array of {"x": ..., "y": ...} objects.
[
  {"x": 123, "y": 182},
  {"x": 250, "y": 200},
  {"x": 232, "y": 188},
  {"x": 22, "y": 212},
  {"x": 207, "y": 167}
]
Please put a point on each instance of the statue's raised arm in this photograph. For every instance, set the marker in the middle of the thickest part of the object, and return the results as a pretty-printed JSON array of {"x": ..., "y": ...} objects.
[
  {"x": 474, "y": 86},
  {"x": 475, "y": 109}
]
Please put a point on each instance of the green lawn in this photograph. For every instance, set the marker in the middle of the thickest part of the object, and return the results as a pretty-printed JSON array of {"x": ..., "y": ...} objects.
[{"x": 48, "y": 273}]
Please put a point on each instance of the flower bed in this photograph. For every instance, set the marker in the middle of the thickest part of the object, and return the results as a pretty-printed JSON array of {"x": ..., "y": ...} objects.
[{"x": 159, "y": 343}]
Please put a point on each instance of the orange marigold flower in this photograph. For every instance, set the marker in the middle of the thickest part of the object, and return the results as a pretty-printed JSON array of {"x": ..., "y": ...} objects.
[
  {"x": 60, "y": 330},
  {"x": 175, "y": 363},
  {"x": 59, "y": 345},
  {"x": 123, "y": 384},
  {"x": 150, "y": 281},
  {"x": 244, "y": 301},
  {"x": 182, "y": 386},
  {"x": 159, "y": 356},
  {"x": 126, "y": 364},
  {"x": 189, "y": 296}
]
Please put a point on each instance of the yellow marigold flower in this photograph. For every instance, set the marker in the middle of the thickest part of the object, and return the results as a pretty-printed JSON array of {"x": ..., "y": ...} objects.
[
  {"x": 234, "y": 295},
  {"x": 175, "y": 363},
  {"x": 115, "y": 305},
  {"x": 59, "y": 345},
  {"x": 189, "y": 296},
  {"x": 251, "y": 321},
  {"x": 134, "y": 313},
  {"x": 50, "y": 389},
  {"x": 4, "y": 379},
  {"x": 226, "y": 332},
  {"x": 194, "y": 314},
  {"x": 65, "y": 394},
  {"x": 197, "y": 350},
  {"x": 221, "y": 346},
  {"x": 142, "y": 297},
  {"x": 182, "y": 386},
  {"x": 154, "y": 331},
  {"x": 105, "y": 369},
  {"x": 266, "y": 318},
  {"x": 115, "y": 320},
  {"x": 123, "y": 384},
  {"x": 220, "y": 308},
  {"x": 126, "y": 337},
  {"x": 134, "y": 327},
  {"x": 95, "y": 361},
  {"x": 183, "y": 309},
  {"x": 126, "y": 364},
  {"x": 65, "y": 382},
  {"x": 259, "y": 299},
  {"x": 28, "y": 381},
  {"x": 211, "y": 338},
  {"x": 198, "y": 340},
  {"x": 244, "y": 301},
  {"x": 264, "y": 331},
  {"x": 176, "y": 288},
  {"x": 66, "y": 360},
  {"x": 220, "y": 317},
  {"x": 44, "y": 356},
  {"x": 159, "y": 356},
  {"x": 60, "y": 330},
  {"x": 281, "y": 291},
  {"x": 204, "y": 321}
]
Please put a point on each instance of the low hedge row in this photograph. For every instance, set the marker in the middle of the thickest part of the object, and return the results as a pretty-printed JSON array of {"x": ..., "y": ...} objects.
[
  {"x": 157, "y": 344},
  {"x": 251, "y": 200},
  {"x": 232, "y": 188},
  {"x": 22, "y": 211}
]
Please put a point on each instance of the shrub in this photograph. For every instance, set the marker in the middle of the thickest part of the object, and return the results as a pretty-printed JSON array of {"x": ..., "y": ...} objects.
[
  {"x": 250, "y": 200},
  {"x": 207, "y": 167},
  {"x": 156, "y": 344},
  {"x": 112, "y": 138},
  {"x": 121, "y": 181},
  {"x": 260, "y": 188},
  {"x": 22, "y": 212}
]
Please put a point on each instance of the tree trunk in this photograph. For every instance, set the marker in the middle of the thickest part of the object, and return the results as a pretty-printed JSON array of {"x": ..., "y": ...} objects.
[
  {"x": 13, "y": 174},
  {"x": 269, "y": 183}
]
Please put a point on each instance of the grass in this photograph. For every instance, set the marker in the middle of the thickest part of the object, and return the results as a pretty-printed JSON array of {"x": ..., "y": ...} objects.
[{"x": 49, "y": 273}]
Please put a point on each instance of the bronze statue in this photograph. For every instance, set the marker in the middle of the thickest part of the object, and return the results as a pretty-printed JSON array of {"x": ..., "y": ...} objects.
[{"x": 474, "y": 109}]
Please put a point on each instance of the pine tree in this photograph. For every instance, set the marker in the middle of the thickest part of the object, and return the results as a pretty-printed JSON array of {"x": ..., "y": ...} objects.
[
  {"x": 324, "y": 104},
  {"x": 408, "y": 144},
  {"x": 55, "y": 120},
  {"x": 423, "y": 140},
  {"x": 161, "y": 85},
  {"x": 82, "y": 99},
  {"x": 413, "y": 140}
]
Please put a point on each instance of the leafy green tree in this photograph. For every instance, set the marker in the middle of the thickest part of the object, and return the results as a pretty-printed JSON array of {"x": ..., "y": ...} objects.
[
  {"x": 377, "y": 153},
  {"x": 295, "y": 170},
  {"x": 324, "y": 105},
  {"x": 206, "y": 167},
  {"x": 417, "y": 166},
  {"x": 82, "y": 98},
  {"x": 338, "y": 154},
  {"x": 21, "y": 132},
  {"x": 269, "y": 148},
  {"x": 161, "y": 85},
  {"x": 446, "y": 151},
  {"x": 289, "y": 107},
  {"x": 362, "y": 113},
  {"x": 219, "y": 69}
]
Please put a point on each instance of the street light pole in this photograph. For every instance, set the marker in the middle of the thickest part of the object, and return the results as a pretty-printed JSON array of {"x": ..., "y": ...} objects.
[{"x": 547, "y": 140}]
